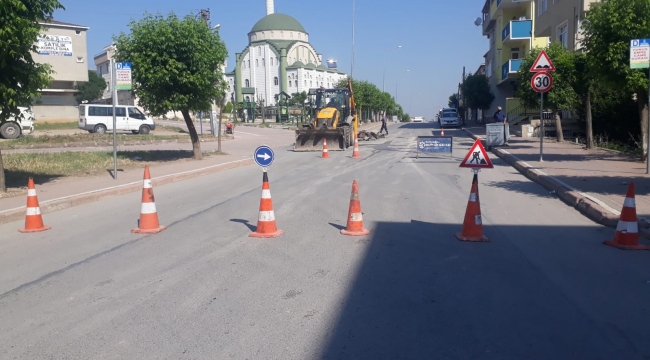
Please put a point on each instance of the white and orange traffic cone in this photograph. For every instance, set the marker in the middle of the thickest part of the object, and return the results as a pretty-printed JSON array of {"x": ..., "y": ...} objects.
[
  {"x": 355, "y": 216},
  {"x": 266, "y": 225},
  {"x": 627, "y": 231},
  {"x": 33, "y": 218},
  {"x": 326, "y": 154},
  {"x": 442, "y": 131},
  {"x": 473, "y": 224},
  {"x": 148, "y": 223},
  {"x": 355, "y": 151}
]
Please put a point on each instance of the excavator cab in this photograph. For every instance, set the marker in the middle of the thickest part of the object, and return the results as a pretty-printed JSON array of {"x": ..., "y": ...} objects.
[{"x": 332, "y": 121}]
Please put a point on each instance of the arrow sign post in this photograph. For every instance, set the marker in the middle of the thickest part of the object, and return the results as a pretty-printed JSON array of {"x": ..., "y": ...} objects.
[
  {"x": 542, "y": 66},
  {"x": 263, "y": 157}
]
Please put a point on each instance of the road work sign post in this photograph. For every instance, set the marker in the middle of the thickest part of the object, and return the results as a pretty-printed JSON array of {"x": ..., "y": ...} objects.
[
  {"x": 542, "y": 82},
  {"x": 640, "y": 59},
  {"x": 263, "y": 157},
  {"x": 434, "y": 144}
]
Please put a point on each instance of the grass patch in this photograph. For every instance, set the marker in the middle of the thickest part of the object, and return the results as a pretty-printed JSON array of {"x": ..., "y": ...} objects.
[
  {"x": 604, "y": 142},
  {"x": 60, "y": 139},
  {"x": 56, "y": 126},
  {"x": 173, "y": 128},
  {"x": 47, "y": 167}
]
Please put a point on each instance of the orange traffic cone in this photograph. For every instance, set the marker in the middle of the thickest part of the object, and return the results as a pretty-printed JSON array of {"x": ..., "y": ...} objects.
[
  {"x": 326, "y": 154},
  {"x": 442, "y": 131},
  {"x": 148, "y": 223},
  {"x": 355, "y": 216},
  {"x": 627, "y": 231},
  {"x": 355, "y": 151},
  {"x": 473, "y": 225},
  {"x": 33, "y": 218},
  {"x": 266, "y": 226}
]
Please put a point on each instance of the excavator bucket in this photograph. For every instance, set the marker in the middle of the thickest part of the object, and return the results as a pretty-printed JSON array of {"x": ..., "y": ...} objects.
[{"x": 312, "y": 139}]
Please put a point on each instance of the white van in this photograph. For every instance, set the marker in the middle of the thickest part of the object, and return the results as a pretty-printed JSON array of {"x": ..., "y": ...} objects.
[
  {"x": 98, "y": 118},
  {"x": 12, "y": 128}
]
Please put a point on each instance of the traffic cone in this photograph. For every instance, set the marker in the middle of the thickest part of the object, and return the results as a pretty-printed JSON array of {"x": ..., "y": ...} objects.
[
  {"x": 627, "y": 231},
  {"x": 326, "y": 154},
  {"x": 33, "y": 218},
  {"x": 355, "y": 151},
  {"x": 266, "y": 226},
  {"x": 355, "y": 216},
  {"x": 473, "y": 225},
  {"x": 148, "y": 223},
  {"x": 442, "y": 132}
]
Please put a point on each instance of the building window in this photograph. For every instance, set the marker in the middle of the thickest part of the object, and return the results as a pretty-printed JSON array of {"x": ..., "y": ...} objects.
[
  {"x": 562, "y": 34},
  {"x": 542, "y": 5},
  {"x": 291, "y": 34},
  {"x": 257, "y": 63},
  {"x": 305, "y": 83},
  {"x": 249, "y": 64},
  {"x": 248, "y": 83},
  {"x": 282, "y": 34},
  {"x": 276, "y": 81},
  {"x": 271, "y": 61},
  {"x": 514, "y": 53},
  {"x": 80, "y": 59},
  {"x": 77, "y": 32}
]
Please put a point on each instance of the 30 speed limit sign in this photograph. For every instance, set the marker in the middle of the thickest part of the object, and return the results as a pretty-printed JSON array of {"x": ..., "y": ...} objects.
[{"x": 542, "y": 82}]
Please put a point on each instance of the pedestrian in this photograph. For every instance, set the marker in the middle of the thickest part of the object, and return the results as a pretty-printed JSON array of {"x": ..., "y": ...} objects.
[
  {"x": 383, "y": 125},
  {"x": 500, "y": 118}
]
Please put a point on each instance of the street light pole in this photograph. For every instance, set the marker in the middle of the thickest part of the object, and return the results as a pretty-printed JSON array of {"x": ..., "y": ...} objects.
[{"x": 383, "y": 85}]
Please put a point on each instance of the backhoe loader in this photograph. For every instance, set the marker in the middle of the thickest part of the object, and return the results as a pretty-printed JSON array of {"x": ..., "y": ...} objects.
[{"x": 335, "y": 120}]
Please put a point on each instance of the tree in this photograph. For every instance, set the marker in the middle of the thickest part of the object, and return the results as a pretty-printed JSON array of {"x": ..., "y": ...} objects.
[
  {"x": 298, "y": 99},
  {"x": 477, "y": 92},
  {"x": 21, "y": 77},
  {"x": 610, "y": 27},
  {"x": 453, "y": 100},
  {"x": 563, "y": 95},
  {"x": 92, "y": 89},
  {"x": 176, "y": 66},
  {"x": 583, "y": 88}
]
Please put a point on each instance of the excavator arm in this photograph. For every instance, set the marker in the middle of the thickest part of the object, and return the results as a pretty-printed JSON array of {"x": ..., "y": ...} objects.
[{"x": 353, "y": 109}]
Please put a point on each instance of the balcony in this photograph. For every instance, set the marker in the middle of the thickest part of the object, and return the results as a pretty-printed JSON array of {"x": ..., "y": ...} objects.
[
  {"x": 517, "y": 30},
  {"x": 510, "y": 67}
]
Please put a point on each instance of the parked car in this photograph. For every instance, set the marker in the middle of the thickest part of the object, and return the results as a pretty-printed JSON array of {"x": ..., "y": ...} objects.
[
  {"x": 98, "y": 118},
  {"x": 449, "y": 117},
  {"x": 13, "y": 128}
]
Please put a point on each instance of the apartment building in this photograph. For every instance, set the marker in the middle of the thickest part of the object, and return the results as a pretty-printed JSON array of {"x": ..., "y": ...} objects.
[
  {"x": 561, "y": 20},
  {"x": 63, "y": 47},
  {"x": 508, "y": 25}
]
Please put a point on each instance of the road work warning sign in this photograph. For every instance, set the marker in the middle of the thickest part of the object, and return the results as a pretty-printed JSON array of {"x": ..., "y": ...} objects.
[{"x": 477, "y": 157}]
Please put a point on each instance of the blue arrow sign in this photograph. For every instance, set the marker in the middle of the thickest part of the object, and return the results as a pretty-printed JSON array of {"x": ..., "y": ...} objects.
[{"x": 263, "y": 156}]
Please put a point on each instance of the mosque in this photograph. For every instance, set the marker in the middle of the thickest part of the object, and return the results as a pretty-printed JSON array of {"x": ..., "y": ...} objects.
[{"x": 278, "y": 58}]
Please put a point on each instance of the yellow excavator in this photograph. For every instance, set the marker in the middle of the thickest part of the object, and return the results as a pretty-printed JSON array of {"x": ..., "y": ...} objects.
[{"x": 336, "y": 120}]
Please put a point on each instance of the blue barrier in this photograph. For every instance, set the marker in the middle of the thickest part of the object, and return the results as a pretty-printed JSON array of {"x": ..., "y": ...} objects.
[{"x": 435, "y": 144}]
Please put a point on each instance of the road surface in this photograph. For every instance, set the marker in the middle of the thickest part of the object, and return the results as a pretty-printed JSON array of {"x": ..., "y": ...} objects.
[{"x": 545, "y": 287}]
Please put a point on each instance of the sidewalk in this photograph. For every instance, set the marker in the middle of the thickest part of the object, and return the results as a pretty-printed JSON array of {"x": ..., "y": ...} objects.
[{"x": 601, "y": 176}]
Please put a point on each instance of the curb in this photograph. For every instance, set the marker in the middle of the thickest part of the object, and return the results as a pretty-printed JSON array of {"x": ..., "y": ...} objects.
[
  {"x": 65, "y": 202},
  {"x": 102, "y": 143},
  {"x": 569, "y": 195}
]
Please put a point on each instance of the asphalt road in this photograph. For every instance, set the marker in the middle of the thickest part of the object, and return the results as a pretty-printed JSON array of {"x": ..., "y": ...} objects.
[{"x": 545, "y": 287}]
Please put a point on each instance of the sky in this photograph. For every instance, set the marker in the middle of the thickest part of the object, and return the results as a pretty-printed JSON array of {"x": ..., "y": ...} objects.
[{"x": 438, "y": 37}]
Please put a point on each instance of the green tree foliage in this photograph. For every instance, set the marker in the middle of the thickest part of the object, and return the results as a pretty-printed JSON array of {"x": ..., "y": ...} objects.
[
  {"x": 563, "y": 95},
  {"x": 298, "y": 99},
  {"x": 92, "y": 89},
  {"x": 610, "y": 27},
  {"x": 453, "y": 100},
  {"x": 227, "y": 109},
  {"x": 477, "y": 92},
  {"x": 176, "y": 66},
  {"x": 20, "y": 76},
  {"x": 369, "y": 98}
]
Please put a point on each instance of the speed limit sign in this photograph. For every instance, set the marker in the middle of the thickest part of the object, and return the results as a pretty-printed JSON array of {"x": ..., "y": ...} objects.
[{"x": 542, "y": 82}]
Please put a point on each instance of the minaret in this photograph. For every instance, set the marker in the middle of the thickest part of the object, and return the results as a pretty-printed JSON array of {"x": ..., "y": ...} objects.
[{"x": 270, "y": 8}]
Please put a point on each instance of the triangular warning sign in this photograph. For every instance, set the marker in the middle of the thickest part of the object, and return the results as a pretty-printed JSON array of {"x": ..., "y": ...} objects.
[
  {"x": 477, "y": 157},
  {"x": 543, "y": 63}
]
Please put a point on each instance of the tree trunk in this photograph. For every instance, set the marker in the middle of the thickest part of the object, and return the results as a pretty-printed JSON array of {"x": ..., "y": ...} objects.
[
  {"x": 590, "y": 129},
  {"x": 642, "y": 102},
  {"x": 558, "y": 126},
  {"x": 219, "y": 136},
  {"x": 196, "y": 144},
  {"x": 3, "y": 185}
]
